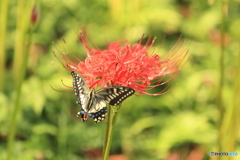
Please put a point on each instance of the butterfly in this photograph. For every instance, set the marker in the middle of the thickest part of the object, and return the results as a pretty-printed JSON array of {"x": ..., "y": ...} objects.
[{"x": 93, "y": 103}]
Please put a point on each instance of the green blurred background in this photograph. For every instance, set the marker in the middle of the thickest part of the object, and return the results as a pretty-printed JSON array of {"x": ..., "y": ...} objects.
[{"x": 179, "y": 125}]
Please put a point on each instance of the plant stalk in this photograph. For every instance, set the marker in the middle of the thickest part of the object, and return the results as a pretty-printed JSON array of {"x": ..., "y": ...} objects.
[
  {"x": 221, "y": 80},
  {"x": 3, "y": 31},
  {"x": 21, "y": 68},
  {"x": 110, "y": 125}
]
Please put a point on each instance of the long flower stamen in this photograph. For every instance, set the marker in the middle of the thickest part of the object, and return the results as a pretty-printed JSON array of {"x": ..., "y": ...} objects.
[{"x": 61, "y": 91}]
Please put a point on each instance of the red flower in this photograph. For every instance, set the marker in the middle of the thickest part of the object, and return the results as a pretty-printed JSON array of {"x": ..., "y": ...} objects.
[{"x": 126, "y": 65}]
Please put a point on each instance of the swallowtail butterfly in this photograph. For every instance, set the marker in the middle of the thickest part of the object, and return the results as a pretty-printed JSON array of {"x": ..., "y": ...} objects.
[{"x": 93, "y": 103}]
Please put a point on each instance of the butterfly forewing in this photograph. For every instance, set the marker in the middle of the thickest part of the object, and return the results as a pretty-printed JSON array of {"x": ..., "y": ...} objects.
[
  {"x": 115, "y": 95},
  {"x": 81, "y": 90}
]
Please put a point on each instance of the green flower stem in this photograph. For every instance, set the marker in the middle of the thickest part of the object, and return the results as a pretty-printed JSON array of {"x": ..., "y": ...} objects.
[
  {"x": 21, "y": 68},
  {"x": 3, "y": 31},
  {"x": 23, "y": 16},
  {"x": 236, "y": 109},
  {"x": 107, "y": 129},
  {"x": 231, "y": 121},
  {"x": 110, "y": 124},
  {"x": 17, "y": 106},
  {"x": 221, "y": 81}
]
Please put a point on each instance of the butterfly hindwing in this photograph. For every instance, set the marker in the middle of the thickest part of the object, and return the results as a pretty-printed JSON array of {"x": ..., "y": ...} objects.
[{"x": 97, "y": 116}]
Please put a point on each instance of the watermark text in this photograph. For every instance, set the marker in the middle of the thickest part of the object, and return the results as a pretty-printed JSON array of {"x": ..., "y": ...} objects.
[{"x": 223, "y": 154}]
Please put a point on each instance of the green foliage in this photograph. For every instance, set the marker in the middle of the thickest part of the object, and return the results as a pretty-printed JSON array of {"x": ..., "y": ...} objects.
[{"x": 148, "y": 127}]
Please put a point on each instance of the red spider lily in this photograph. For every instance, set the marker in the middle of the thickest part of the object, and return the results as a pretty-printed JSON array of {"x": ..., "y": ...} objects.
[{"x": 126, "y": 65}]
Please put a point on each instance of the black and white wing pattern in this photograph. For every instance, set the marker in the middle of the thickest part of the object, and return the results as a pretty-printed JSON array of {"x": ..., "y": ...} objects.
[
  {"x": 90, "y": 106},
  {"x": 80, "y": 89},
  {"x": 93, "y": 104},
  {"x": 114, "y": 95}
]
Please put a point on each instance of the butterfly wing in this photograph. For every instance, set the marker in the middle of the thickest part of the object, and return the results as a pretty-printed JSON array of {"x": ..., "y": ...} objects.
[
  {"x": 92, "y": 105},
  {"x": 112, "y": 95},
  {"x": 96, "y": 108},
  {"x": 81, "y": 90},
  {"x": 115, "y": 95},
  {"x": 97, "y": 116}
]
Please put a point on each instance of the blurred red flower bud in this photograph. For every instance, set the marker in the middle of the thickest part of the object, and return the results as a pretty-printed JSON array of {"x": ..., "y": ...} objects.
[{"x": 34, "y": 14}]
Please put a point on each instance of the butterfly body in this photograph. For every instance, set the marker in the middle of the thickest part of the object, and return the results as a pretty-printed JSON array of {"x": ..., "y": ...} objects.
[{"x": 93, "y": 103}]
